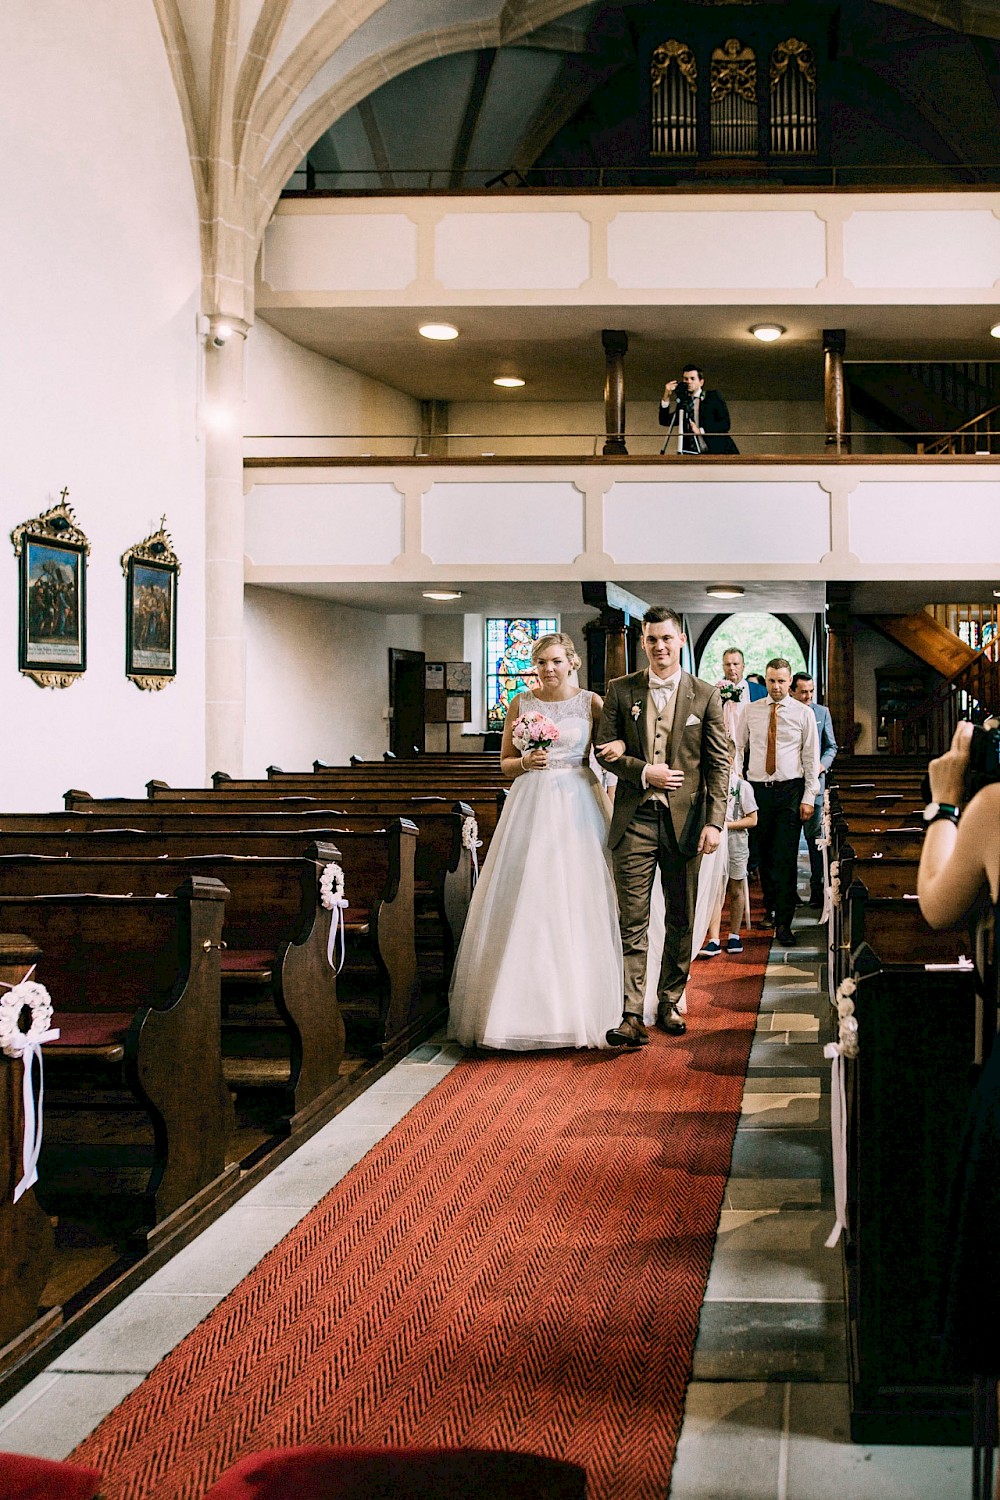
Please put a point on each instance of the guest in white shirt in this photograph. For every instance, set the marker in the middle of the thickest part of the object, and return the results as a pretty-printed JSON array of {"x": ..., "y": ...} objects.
[{"x": 784, "y": 774}]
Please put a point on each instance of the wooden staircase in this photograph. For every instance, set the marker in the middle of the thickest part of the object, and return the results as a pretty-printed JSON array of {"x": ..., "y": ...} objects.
[
  {"x": 942, "y": 408},
  {"x": 960, "y": 642}
]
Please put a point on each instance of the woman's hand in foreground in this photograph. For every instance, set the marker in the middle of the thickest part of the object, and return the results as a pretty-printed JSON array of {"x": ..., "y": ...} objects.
[
  {"x": 535, "y": 760},
  {"x": 947, "y": 772}
]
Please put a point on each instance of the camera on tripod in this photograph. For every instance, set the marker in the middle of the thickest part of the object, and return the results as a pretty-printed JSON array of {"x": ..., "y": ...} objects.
[{"x": 684, "y": 399}]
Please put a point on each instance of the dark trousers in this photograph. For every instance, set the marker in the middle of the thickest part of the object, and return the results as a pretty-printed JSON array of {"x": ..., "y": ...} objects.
[
  {"x": 778, "y": 829},
  {"x": 812, "y": 831},
  {"x": 647, "y": 845}
]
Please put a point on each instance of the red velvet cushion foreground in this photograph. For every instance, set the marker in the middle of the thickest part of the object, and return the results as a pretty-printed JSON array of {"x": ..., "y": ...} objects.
[
  {"x": 398, "y": 1474},
  {"x": 24, "y": 1478}
]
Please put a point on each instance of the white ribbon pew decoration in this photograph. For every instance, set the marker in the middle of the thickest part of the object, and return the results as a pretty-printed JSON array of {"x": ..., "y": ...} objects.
[
  {"x": 27, "y": 1045},
  {"x": 472, "y": 842},
  {"x": 331, "y": 893},
  {"x": 845, "y": 1046}
]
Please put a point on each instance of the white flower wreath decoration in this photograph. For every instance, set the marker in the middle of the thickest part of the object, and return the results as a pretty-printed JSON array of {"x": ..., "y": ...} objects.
[
  {"x": 847, "y": 1031},
  {"x": 331, "y": 887},
  {"x": 470, "y": 834},
  {"x": 835, "y": 882},
  {"x": 35, "y": 997}
]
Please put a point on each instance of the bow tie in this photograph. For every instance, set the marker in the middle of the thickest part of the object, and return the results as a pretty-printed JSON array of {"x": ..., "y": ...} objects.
[{"x": 662, "y": 682}]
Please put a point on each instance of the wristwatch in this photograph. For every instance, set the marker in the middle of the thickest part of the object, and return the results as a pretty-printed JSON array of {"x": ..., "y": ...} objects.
[{"x": 936, "y": 810}]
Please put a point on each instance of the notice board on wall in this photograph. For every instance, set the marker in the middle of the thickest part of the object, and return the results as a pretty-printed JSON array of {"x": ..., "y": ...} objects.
[{"x": 447, "y": 692}]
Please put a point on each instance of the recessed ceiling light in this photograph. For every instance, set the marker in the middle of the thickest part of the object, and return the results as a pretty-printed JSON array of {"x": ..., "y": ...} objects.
[
  {"x": 767, "y": 332},
  {"x": 442, "y": 594},
  {"x": 725, "y": 591},
  {"x": 439, "y": 330},
  {"x": 995, "y": 330},
  {"x": 508, "y": 380},
  {"x": 996, "y": 593}
]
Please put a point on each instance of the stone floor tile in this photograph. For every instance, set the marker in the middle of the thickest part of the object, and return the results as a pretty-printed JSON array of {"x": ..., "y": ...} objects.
[
  {"x": 823, "y": 1464},
  {"x": 781, "y": 1153},
  {"x": 227, "y": 1251},
  {"x": 309, "y": 1174},
  {"x": 800, "y": 1057},
  {"x": 777, "y": 997},
  {"x": 776, "y": 1192},
  {"x": 787, "y": 1020},
  {"x": 730, "y": 1442},
  {"x": 382, "y": 1110},
  {"x": 784, "y": 1083},
  {"x": 788, "y": 1274},
  {"x": 781, "y": 1111},
  {"x": 771, "y": 1341},
  {"x": 800, "y": 1230},
  {"x": 136, "y": 1334},
  {"x": 62, "y": 1412}
]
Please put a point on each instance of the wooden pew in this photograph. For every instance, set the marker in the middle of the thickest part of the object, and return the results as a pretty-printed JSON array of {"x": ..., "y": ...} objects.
[
  {"x": 26, "y": 1237},
  {"x": 135, "y": 982},
  {"x": 908, "y": 1090},
  {"x": 379, "y": 993},
  {"x": 275, "y": 972}
]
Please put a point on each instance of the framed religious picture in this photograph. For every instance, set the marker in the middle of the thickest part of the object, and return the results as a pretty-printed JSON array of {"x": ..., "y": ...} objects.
[
  {"x": 151, "y": 569},
  {"x": 52, "y": 597}
]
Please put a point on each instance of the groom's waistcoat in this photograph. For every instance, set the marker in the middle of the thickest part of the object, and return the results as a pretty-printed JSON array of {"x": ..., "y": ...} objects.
[{"x": 659, "y": 739}]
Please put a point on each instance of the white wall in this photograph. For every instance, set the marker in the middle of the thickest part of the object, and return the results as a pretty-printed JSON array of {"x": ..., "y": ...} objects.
[
  {"x": 292, "y": 390},
  {"x": 317, "y": 679},
  {"x": 98, "y": 367}
]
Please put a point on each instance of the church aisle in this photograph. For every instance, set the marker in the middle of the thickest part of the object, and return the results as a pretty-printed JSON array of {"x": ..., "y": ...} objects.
[{"x": 767, "y": 1411}]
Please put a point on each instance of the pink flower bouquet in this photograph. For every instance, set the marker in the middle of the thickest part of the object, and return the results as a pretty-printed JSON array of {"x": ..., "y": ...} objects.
[{"x": 534, "y": 732}]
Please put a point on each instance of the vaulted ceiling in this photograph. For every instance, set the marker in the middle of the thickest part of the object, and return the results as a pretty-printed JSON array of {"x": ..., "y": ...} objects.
[{"x": 908, "y": 86}]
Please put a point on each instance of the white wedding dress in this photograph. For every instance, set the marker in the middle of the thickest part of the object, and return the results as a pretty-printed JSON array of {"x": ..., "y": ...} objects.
[{"x": 540, "y": 961}]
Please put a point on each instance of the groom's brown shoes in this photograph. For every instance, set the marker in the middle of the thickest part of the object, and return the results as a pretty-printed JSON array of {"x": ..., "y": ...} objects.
[
  {"x": 668, "y": 1020},
  {"x": 630, "y": 1032}
]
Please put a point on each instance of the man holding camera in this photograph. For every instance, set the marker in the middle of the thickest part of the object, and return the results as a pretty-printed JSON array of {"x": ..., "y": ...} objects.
[{"x": 703, "y": 416}]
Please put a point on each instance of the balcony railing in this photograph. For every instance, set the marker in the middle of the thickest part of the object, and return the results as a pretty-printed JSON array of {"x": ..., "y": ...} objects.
[
  {"x": 311, "y": 178},
  {"x": 547, "y": 447}
]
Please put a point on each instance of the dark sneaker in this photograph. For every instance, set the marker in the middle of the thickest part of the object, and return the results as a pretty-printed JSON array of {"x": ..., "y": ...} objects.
[
  {"x": 734, "y": 945},
  {"x": 710, "y": 949}
]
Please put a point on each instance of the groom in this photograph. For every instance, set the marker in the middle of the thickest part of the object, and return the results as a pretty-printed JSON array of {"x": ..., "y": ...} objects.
[{"x": 663, "y": 735}]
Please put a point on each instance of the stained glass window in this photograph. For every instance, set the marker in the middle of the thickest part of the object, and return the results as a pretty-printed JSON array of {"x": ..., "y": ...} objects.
[{"x": 508, "y": 662}]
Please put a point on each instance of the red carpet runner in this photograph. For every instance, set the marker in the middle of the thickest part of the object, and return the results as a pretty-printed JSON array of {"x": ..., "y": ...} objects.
[{"x": 520, "y": 1264}]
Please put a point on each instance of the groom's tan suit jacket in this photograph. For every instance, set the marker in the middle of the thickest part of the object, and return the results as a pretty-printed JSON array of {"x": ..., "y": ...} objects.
[{"x": 695, "y": 743}]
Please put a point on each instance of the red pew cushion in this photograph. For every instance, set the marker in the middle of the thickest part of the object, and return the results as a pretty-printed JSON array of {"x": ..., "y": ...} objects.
[
  {"x": 23, "y": 1478},
  {"x": 91, "y": 1028},
  {"x": 399, "y": 1474}
]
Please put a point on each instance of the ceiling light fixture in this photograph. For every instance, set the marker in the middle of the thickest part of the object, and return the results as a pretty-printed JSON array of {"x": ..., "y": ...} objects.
[
  {"x": 995, "y": 330},
  {"x": 443, "y": 595},
  {"x": 724, "y": 591},
  {"x": 508, "y": 380},
  {"x": 996, "y": 593},
  {"x": 767, "y": 332},
  {"x": 439, "y": 330}
]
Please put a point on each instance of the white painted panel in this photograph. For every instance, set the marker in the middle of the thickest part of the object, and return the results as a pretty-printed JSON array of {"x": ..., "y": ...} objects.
[
  {"x": 720, "y": 250},
  {"x": 916, "y": 248},
  {"x": 946, "y": 521},
  {"x": 325, "y": 525},
  {"x": 339, "y": 253},
  {"x": 500, "y": 252},
  {"x": 745, "y": 521},
  {"x": 503, "y": 523}
]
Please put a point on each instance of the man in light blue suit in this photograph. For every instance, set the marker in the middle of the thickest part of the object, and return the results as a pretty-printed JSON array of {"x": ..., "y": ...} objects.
[{"x": 804, "y": 689}]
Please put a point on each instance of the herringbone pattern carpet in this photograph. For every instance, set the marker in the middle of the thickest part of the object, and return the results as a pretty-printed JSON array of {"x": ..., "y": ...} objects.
[{"x": 520, "y": 1264}]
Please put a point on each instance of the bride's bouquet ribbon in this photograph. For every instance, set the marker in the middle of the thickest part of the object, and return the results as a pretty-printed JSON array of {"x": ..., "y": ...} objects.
[{"x": 27, "y": 1045}]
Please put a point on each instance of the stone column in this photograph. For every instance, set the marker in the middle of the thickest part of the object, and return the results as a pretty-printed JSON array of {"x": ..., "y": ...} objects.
[
  {"x": 835, "y": 390},
  {"x": 225, "y": 651},
  {"x": 607, "y": 650},
  {"x": 615, "y": 342}
]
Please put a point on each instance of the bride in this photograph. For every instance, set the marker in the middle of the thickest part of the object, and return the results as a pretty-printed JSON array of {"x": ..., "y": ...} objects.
[{"x": 540, "y": 961}]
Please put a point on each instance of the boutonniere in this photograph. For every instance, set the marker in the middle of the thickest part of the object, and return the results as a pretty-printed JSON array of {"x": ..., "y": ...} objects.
[{"x": 636, "y": 710}]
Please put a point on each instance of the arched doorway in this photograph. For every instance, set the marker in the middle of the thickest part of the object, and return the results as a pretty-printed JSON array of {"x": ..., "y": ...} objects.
[{"x": 759, "y": 636}]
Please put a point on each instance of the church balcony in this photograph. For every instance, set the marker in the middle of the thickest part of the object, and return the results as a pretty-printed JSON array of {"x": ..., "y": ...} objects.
[{"x": 318, "y": 520}]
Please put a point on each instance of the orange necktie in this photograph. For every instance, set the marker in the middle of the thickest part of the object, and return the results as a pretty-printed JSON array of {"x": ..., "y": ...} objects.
[{"x": 771, "y": 754}]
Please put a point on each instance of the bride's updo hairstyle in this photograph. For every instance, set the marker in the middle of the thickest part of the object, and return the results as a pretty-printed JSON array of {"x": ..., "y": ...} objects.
[{"x": 556, "y": 638}]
